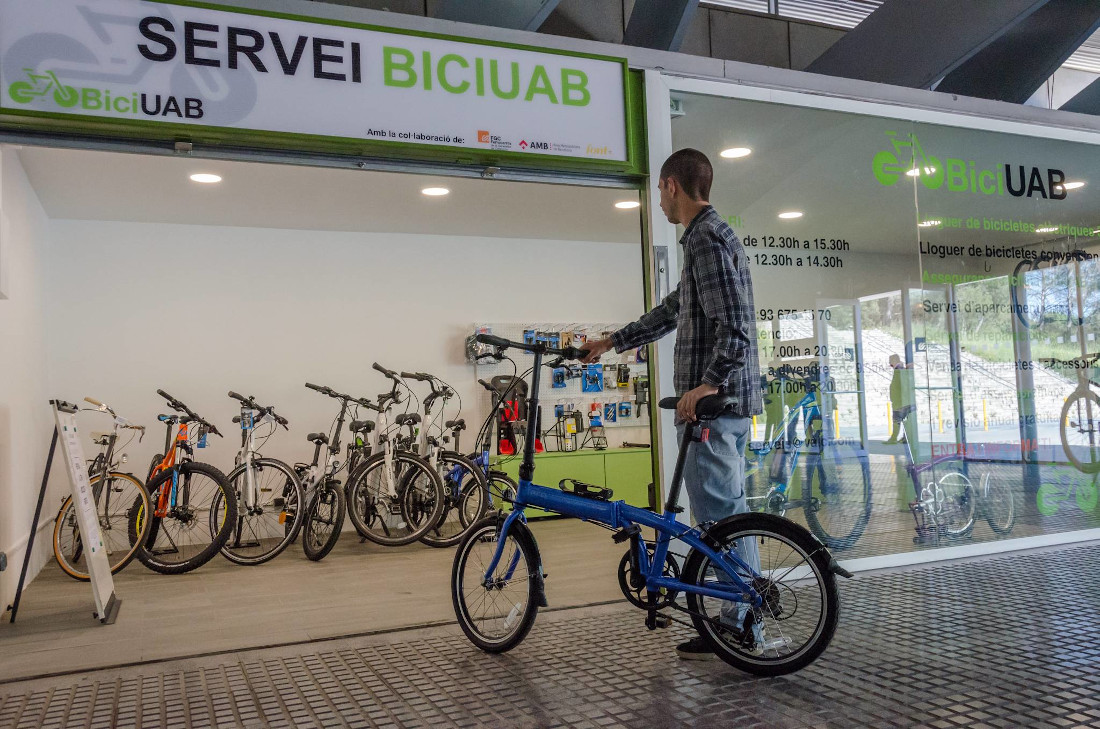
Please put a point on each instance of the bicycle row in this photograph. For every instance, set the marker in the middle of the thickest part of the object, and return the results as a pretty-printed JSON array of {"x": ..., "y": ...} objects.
[{"x": 400, "y": 478}]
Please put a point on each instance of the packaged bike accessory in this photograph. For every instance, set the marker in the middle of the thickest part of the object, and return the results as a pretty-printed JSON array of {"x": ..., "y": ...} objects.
[
  {"x": 610, "y": 412},
  {"x": 624, "y": 410},
  {"x": 529, "y": 336},
  {"x": 641, "y": 391},
  {"x": 595, "y": 415},
  {"x": 559, "y": 411},
  {"x": 558, "y": 378},
  {"x": 622, "y": 377},
  {"x": 593, "y": 378}
]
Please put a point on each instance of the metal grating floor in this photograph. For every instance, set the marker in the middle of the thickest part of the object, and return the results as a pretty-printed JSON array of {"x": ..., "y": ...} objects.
[{"x": 999, "y": 642}]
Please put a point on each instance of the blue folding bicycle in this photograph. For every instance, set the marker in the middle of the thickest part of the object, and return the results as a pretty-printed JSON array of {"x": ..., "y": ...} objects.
[{"x": 761, "y": 590}]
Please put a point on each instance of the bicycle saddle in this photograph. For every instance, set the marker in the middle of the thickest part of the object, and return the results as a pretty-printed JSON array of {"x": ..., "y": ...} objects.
[
  {"x": 708, "y": 408},
  {"x": 406, "y": 418},
  {"x": 455, "y": 424},
  {"x": 317, "y": 438},
  {"x": 361, "y": 426}
]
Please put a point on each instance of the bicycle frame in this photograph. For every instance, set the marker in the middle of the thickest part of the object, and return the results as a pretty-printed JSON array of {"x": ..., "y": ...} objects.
[
  {"x": 812, "y": 410},
  {"x": 167, "y": 498},
  {"x": 620, "y": 515}
]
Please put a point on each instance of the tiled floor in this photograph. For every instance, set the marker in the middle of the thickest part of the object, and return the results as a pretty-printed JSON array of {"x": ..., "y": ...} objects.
[{"x": 1010, "y": 641}]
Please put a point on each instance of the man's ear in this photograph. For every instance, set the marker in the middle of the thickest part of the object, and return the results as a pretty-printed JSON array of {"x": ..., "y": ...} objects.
[{"x": 672, "y": 186}]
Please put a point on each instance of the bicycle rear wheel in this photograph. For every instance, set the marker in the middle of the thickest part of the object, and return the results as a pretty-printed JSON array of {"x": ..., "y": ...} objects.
[
  {"x": 264, "y": 529},
  {"x": 997, "y": 502},
  {"x": 1080, "y": 430},
  {"x": 838, "y": 495},
  {"x": 324, "y": 519},
  {"x": 956, "y": 505},
  {"x": 122, "y": 494},
  {"x": 465, "y": 499},
  {"x": 402, "y": 517},
  {"x": 195, "y": 528},
  {"x": 789, "y": 569}
]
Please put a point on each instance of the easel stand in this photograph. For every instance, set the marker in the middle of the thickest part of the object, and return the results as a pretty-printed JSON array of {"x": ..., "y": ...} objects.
[{"x": 99, "y": 569}]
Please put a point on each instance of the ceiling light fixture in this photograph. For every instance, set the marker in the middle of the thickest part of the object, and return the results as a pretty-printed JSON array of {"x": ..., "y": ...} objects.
[
  {"x": 628, "y": 204},
  {"x": 435, "y": 191},
  {"x": 790, "y": 215},
  {"x": 930, "y": 223},
  {"x": 205, "y": 178},
  {"x": 735, "y": 152}
]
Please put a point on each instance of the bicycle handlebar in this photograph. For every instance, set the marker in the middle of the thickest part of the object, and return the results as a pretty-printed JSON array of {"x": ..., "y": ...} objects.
[
  {"x": 262, "y": 409},
  {"x": 388, "y": 373},
  {"x": 539, "y": 348},
  {"x": 178, "y": 406},
  {"x": 93, "y": 401}
]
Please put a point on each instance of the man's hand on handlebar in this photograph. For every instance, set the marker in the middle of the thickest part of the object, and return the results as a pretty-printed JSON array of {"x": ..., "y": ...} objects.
[
  {"x": 597, "y": 349},
  {"x": 685, "y": 408}
]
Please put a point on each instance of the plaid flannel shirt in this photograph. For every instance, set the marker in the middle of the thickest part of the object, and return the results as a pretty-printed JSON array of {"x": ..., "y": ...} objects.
[{"x": 713, "y": 313}]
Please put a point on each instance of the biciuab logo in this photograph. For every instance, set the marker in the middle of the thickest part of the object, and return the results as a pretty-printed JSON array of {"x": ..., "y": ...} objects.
[
  {"x": 906, "y": 158},
  {"x": 41, "y": 84}
]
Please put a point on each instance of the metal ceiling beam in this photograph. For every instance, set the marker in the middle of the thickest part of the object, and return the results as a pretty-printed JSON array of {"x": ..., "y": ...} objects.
[
  {"x": 1012, "y": 67},
  {"x": 659, "y": 24},
  {"x": 516, "y": 14},
  {"x": 1087, "y": 100},
  {"x": 914, "y": 44}
]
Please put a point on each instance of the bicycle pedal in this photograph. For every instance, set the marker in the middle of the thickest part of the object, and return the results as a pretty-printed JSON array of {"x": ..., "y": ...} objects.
[{"x": 662, "y": 621}]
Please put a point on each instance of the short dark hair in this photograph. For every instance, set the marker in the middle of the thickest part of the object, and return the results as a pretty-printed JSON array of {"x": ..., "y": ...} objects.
[{"x": 692, "y": 171}]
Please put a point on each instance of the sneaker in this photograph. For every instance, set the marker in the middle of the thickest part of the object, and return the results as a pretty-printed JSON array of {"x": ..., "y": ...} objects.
[{"x": 695, "y": 649}]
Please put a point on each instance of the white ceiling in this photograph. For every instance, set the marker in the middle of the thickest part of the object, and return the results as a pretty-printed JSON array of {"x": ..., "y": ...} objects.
[{"x": 84, "y": 185}]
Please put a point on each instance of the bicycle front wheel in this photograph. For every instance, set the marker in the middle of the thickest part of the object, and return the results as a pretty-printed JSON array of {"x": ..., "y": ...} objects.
[
  {"x": 496, "y": 611},
  {"x": 788, "y": 568},
  {"x": 323, "y": 521},
  {"x": 266, "y": 526},
  {"x": 465, "y": 499},
  {"x": 1080, "y": 430},
  {"x": 395, "y": 503},
  {"x": 121, "y": 494},
  {"x": 838, "y": 498},
  {"x": 998, "y": 504},
  {"x": 198, "y": 515},
  {"x": 955, "y": 505}
]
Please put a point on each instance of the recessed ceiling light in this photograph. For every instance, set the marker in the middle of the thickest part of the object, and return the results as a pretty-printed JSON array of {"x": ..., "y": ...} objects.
[
  {"x": 790, "y": 215},
  {"x": 930, "y": 223},
  {"x": 435, "y": 191},
  {"x": 735, "y": 152},
  {"x": 627, "y": 204},
  {"x": 1046, "y": 230},
  {"x": 206, "y": 178}
]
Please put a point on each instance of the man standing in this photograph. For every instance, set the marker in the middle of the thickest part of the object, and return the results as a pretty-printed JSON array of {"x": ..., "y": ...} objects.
[{"x": 714, "y": 317}]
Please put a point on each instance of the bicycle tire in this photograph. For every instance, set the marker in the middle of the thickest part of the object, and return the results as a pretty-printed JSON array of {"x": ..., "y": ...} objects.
[
  {"x": 475, "y": 552},
  {"x": 793, "y": 540},
  {"x": 1084, "y": 404},
  {"x": 842, "y": 476},
  {"x": 960, "y": 501},
  {"x": 462, "y": 513},
  {"x": 373, "y": 514},
  {"x": 71, "y": 563},
  {"x": 502, "y": 488},
  {"x": 1017, "y": 284},
  {"x": 993, "y": 494},
  {"x": 324, "y": 519},
  {"x": 152, "y": 556},
  {"x": 291, "y": 497}
]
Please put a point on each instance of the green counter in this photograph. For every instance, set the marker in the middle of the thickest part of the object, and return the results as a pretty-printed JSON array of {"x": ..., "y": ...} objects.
[{"x": 626, "y": 471}]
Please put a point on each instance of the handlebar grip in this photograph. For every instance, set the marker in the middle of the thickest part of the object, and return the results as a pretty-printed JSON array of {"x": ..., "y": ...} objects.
[
  {"x": 492, "y": 339},
  {"x": 486, "y": 385},
  {"x": 574, "y": 353},
  {"x": 411, "y": 375},
  {"x": 214, "y": 430},
  {"x": 237, "y": 396},
  {"x": 318, "y": 388},
  {"x": 281, "y": 420},
  {"x": 166, "y": 396},
  {"x": 93, "y": 401},
  {"x": 388, "y": 373}
]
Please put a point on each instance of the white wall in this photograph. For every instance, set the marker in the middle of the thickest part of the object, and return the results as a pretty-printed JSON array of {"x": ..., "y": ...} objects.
[
  {"x": 25, "y": 421},
  {"x": 199, "y": 310}
]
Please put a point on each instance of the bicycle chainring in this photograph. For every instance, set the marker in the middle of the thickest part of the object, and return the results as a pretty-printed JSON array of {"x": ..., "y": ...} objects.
[{"x": 638, "y": 597}]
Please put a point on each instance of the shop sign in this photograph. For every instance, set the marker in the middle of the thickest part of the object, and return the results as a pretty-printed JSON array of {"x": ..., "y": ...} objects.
[{"x": 184, "y": 64}]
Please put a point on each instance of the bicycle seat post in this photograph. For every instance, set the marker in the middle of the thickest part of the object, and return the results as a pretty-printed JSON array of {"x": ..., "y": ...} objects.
[{"x": 527, "y": 468}]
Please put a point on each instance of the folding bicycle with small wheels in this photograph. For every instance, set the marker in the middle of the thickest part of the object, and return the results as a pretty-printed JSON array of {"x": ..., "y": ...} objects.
[{"x": 759, "y": 589}]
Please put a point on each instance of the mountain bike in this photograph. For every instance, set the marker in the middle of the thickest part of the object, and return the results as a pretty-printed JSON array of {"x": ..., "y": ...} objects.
[
  {"x": 759, "y": 589},
  {"x": 836, "y": 487},
  {"x": 396, "y": 496},
  {"x": 1079, "y": 426},
  {"x": 465, "y": 497},
  {"x": 270, "y": 497},
  {"x": 116, "y": 495},
  {"x": 193, "y": 506}
]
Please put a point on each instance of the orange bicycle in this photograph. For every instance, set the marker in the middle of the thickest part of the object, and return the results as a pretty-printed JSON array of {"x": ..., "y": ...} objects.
[{"x": 193, "y": 506}]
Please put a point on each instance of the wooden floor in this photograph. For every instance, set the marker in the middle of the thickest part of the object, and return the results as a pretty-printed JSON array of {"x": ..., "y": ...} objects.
[{"x": 358, "y": 588}]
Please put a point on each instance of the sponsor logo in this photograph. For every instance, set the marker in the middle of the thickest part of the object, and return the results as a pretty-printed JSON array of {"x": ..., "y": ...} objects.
[
  {"x": 597, "y": 151},
  {"x": 482, "y": 136},
  {"x": 523, "y": 144},
  {"x": 906, "y": 158},
  {"x": 46, "y": 85}
]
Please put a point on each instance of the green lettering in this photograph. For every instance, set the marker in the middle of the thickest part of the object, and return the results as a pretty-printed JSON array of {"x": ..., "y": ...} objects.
[
  {"x": 427, "y": 70},
  {"x": 540, "y": 84},
  {"x": 479, "y": 72},
  {"x": 390, "y": 64},
  {"x": 494, "y": 79},
  {"x": 91, "y": 99},
  {"x": 987, "y": 183},
  {"x": 573, "y": 81},
  {"x": 442, "y": 73},
  {"x": 956, "y": 175}
]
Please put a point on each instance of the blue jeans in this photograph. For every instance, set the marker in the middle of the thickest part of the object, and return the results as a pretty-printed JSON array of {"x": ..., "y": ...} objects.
[{"x": 714, "y": 477}]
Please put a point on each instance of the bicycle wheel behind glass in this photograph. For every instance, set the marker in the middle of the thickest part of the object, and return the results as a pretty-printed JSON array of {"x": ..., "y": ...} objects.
[
  {"x": 465, "y": 500},
  {"x": 998, "y": 504},
  {"x": 956, "y": 501},
  {"x": 497, "y": 612},
  {"x": 123, "y": 493},
  {"x": 396, "y": 504},
  {"x": 786, "y": 566},
  {"x": 839, "y": 495},
  {"x": 264, "y": 528},
  {"x": 324, "y": 518},
  {"x": 1080, "y": 431},
  {"x": 188, "y": 533}
]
